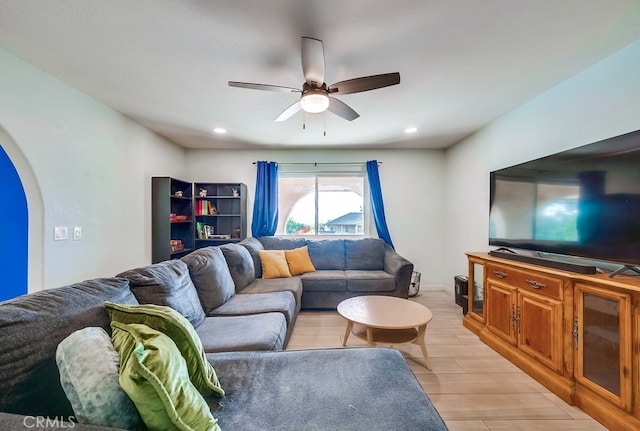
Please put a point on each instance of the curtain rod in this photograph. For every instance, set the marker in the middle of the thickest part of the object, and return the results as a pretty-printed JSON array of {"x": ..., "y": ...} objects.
[{"x": 322, "y": 163}]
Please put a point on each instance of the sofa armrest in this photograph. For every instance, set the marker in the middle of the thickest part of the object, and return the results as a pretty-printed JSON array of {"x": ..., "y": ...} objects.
[{"x": 400, "y": 268}]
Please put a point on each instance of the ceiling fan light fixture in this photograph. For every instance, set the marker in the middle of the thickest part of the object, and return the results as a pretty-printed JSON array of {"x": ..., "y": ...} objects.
[
  {"x": 315, "y": 92},
  {"x": 314, "y": 102}
]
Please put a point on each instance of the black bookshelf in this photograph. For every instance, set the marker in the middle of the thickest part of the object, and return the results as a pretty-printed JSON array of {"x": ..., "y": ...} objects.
[
  {"x": 220, "y": 213},
  {"x": 172, "y": 222}
]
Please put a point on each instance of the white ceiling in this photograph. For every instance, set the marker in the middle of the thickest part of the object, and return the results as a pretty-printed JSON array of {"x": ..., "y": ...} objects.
[{"x": 463, "y": 63}]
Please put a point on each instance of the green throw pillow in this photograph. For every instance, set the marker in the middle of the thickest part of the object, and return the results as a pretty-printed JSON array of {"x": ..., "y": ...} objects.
[
  {"x": 154, "y": 375},
  {"x": 88, "y": 366},
  {"x": 177, "y": 327}
]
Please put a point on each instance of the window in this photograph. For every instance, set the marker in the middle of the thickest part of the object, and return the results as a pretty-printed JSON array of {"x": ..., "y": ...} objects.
[{"x": 321, "y": 203}]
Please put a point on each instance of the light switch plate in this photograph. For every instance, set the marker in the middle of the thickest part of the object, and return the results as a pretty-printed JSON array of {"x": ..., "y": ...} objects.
[
  {"x": 77, "y": 233},
  {"x": 60, "y": 233}
]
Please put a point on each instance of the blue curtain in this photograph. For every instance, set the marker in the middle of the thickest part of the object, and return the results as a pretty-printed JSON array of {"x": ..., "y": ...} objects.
[
  {"x": 376, "y": 202},
  {"x": 265, "y": 204}
]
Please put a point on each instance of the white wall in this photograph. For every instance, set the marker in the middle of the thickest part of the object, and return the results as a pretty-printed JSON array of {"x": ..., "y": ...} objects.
[
  {"x": 92, "y": 168},
  {"x": 600, "y": 102},
  {"x": 412, "y": 187},
  {"x": 84, "y": 164}
]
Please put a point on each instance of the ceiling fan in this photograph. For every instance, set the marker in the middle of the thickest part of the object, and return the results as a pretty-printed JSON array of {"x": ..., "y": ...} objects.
[{"x": 316, "y": 96}]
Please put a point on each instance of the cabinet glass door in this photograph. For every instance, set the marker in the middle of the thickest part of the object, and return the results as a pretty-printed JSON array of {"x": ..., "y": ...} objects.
[
  {"x": 476, "y": 290},
  {"x": 603, "y": 342}
]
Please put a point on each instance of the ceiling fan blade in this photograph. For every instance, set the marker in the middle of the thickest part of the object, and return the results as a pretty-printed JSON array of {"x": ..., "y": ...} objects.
[
  {"x": 365, "y": 83},
  {"x": 288, "y": 113},
  {"x": 313, "y": 61},
  {"x": 265, "y": 87},
  {"x": 341, "y": 109}
]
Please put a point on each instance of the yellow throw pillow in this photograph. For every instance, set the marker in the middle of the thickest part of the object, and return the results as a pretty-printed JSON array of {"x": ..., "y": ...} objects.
[
  {"x": 299, "y": 261},
  {"x": 274, "y": 264}
]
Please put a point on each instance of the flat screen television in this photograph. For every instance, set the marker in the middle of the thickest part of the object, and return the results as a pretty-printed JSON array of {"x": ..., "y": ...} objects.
[{"x": 583, "y": 202}]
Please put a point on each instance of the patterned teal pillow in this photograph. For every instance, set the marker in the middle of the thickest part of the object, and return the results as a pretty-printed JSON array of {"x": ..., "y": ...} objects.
[
  {"x": 154, "y": 375},
  {"x": 88, "y": 366}
]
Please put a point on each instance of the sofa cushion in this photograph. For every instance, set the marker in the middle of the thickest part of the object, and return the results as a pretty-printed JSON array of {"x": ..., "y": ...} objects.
[
  {"x": 88, "y": 365},
  {"x": 324, "y": 281},
  {"x": 277, "y": 243},
  {"x": 266, "y": 331},
  {"x": 155, "y": 376},
  {"x": 261, "y": 285},
  {"x": 299, "y": 261},
  {"x": 177, "y": 327},
  {"x": 370, "y": 281},
  {"x": 32, "y": 326},
  {"x": 274, "y": 264},
  {"x": 211, "y": 277},
  {"x": 240, "y": 265},
  {"x": 167, "y": 283},
  {"x": 253, "y": 246},
  {"x": 366, "y": 254},
  {"x": 246, "y": 304},
  {"x": 327, "y": 254}
]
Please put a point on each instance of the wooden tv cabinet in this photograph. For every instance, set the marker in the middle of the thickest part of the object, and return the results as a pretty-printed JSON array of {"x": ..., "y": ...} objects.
[{"x": 576, "y": 334}]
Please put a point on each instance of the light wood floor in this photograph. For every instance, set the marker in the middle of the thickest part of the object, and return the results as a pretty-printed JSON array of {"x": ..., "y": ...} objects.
[{"x": 473, "y": 387}]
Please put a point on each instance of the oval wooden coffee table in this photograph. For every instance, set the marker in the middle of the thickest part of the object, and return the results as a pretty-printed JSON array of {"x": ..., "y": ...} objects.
[{"x": 386, "y": 319}]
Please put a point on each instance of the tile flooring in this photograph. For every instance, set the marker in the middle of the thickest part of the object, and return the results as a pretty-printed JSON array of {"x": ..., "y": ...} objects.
[{"x": 473, "y": 387}]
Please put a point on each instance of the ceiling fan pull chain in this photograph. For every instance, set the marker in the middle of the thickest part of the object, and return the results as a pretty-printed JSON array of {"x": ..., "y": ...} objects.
[
  {"x": 324, "y": 125},
  {"x": 304, "y": 121}
]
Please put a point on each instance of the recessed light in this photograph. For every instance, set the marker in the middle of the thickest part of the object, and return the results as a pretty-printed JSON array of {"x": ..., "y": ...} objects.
[
  {"x": 411, "y": 130},
  {"x": 220, "y": 130}
]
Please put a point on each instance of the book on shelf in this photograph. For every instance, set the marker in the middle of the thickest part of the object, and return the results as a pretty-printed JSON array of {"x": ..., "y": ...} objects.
[
  {"x": 205, "y": 207},
  {"x": 175, "y": 245},
  {"x": 208, "y": 231}
]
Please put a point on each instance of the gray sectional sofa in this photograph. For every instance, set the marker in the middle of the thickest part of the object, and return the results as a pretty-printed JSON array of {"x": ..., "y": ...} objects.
[
  {"x": 243, "y": 322},
  {"x": 344, "y": 268}
]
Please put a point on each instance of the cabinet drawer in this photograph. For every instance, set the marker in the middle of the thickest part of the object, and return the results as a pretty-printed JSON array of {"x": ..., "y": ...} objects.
[{"x": 528, "y": 280}]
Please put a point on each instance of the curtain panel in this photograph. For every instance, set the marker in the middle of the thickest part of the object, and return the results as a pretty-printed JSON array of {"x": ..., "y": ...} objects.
[
  {"x": 265, "y": 204},
  {"x": 377, "y": 205}
]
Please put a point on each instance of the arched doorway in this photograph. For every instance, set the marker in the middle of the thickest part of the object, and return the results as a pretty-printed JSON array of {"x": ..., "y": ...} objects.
[
  {"x": 25, "y": 184},
  {"x": 14, "y": 231}
]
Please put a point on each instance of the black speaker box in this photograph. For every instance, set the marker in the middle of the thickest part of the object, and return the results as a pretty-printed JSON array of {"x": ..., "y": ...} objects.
[
  {"x": 461, "y": 284},
  {"x": 465, "y": 304}
]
